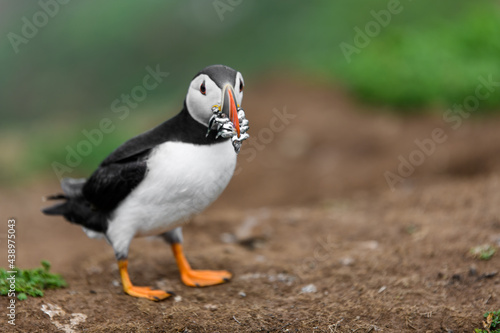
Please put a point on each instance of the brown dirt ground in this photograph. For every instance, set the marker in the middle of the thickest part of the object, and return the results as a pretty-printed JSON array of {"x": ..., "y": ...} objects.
[{"x": 312, "y": 207}]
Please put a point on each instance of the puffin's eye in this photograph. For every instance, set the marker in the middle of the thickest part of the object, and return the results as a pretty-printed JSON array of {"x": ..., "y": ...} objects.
[
  {"x": 203, "y": 90},
  {"x": 241, "y": 86}
]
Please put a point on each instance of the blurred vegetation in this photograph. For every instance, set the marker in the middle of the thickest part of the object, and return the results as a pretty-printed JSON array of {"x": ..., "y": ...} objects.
[
  {"x": 434, "y": 64},
  {"x": 65, "y": 78}
]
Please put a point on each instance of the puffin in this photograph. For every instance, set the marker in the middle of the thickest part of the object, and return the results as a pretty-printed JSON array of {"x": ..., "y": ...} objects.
[{"x": 155, "y": 182}]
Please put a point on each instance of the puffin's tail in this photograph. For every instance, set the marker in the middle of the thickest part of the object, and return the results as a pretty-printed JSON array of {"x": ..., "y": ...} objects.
[
  {"x": 72, "y": 189},
  {"x": 75, "y": 208},
  {"x": 58, "y": 209}
]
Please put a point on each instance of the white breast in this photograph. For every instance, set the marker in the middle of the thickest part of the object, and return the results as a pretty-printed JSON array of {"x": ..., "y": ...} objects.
[{"x": 182, "y": 180}]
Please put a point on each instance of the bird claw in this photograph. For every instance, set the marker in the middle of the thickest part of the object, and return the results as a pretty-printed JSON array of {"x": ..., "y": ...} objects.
[{"x": 225, "y": 129}]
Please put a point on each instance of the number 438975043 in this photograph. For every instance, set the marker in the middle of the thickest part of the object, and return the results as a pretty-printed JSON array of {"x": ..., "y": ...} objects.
[{"x": 11, "y": 242}]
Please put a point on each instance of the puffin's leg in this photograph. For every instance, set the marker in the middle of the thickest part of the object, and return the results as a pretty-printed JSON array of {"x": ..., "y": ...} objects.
[
  {"x": 121, "y": 253},
  {"x": 189, "y": 276}
]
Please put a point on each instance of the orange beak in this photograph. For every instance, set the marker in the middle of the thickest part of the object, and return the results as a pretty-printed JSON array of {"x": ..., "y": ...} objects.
[{"x": 229, "y": 107}]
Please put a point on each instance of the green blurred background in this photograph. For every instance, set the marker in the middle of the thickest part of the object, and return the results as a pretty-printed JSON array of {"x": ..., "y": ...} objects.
[{"x": 64, "y": 78}]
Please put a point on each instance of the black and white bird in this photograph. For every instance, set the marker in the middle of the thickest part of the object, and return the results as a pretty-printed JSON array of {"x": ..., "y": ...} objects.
[{"x": 157, "y": 180}]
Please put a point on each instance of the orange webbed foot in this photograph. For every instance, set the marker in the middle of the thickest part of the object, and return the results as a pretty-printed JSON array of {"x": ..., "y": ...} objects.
[
  {"x": 197, "y": 278},
  {"x": 136, "y": 291}
]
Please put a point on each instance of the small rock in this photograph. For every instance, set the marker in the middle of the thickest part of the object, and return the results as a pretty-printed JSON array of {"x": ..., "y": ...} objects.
[
  {"x": 211, "y": 307},
  {"x": 310, "y": 288},
  {"x": 56, "y": 314},
  {"x": 177, "y": 298},
  {"x": 115, "y": 283},
  {"x": 242, "y": 294},
  {"x": 381, "y": 290},
  {"x": 347, "y": 261},
  {"x": 282, "y": 277}
]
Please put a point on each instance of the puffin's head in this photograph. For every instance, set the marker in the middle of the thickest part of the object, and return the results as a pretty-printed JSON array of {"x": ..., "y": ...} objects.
[{"x": 215, "y": 85}]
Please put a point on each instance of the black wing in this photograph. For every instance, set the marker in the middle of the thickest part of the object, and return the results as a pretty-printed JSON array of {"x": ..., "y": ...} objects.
[
  {"x": 112, "y": 183},
  {"x": 122, "y": 170}
]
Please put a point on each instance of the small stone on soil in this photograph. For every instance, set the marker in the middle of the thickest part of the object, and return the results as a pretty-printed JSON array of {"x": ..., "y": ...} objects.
[
  {"x": 211, "y": 307},
  {"x": 347, "y": 261},
  {"x": 310, "y": 288}
]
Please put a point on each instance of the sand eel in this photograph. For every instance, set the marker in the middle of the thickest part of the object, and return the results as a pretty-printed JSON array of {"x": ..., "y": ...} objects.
[{"x": 157, "y": 180}]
